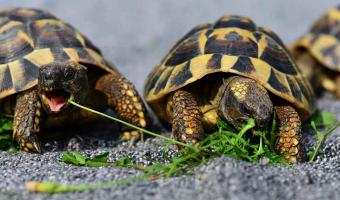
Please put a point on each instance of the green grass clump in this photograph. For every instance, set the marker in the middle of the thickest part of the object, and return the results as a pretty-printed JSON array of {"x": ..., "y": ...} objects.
[
  {"x": 100, "y": 160},
  {"x": 6, "y": 129}
]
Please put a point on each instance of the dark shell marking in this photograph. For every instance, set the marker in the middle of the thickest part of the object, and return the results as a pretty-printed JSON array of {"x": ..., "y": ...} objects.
[
  {"x": 185, "y": 51},
  {"x": 30, "y": 38},
  {"x": 235, "y": 22},
  {"x": 163, "y": 81},
  {"x": 53, "y": 35},
  {"x": 244, "y": 65},
  {"x": 14, "y": 43},
  {"x": 25, "y": 15},
  {"x": 277, "y": 57},
  {"x": 193, "y": 31},
  {"x": 276, "y": 83},
  {"x": 233, "y": 45},
  {"x": 330, "y": 53},
  {"x": 215, "y": 61},
  {"x": 59, "y": 54},
  {"x": 294, "y": 87},
  {"x": 272, "y": 35},
  {"x": 6, "y": 82},
  {"x": 327, "y": 25},
  {"x": 182, "y": 76},
  {"x": 28, "y": 72}
]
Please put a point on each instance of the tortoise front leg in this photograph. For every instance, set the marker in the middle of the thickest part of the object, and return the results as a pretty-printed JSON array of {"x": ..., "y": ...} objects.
[
  {"x": 125, "y": 101},
  {"x": 186, "y": 117},
  {"x": 26, "y": 121},
  {"x": 289, "y": 140}
]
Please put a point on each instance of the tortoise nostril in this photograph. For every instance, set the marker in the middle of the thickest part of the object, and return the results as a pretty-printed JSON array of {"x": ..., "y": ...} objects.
[
  {"x": 47, "y": 76},
  {"x": 49, "y": 82}
]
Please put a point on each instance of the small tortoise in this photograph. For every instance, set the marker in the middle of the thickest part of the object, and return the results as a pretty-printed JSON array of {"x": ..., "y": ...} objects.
[
  {"x": 44, "y": 62},
  {"x": 231, "y": 70},
  {"x": 317, "y": 53}
]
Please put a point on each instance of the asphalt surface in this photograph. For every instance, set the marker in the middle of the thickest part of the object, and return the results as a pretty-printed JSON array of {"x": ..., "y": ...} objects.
[{"x": 135, "y": 35}]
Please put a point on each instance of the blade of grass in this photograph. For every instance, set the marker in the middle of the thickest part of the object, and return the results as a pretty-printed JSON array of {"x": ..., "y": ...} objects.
[
  {"x": 51, "y": 187},
  {"x": 131, "y": 125},
  {"x": 251, "y": 124},
  {"x": 321, "y": 136}
]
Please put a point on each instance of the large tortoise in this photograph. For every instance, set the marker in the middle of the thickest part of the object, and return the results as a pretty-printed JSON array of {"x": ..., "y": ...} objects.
[
  {"x": 231, "y": 70},
  {"x": 317, "y": 53},
  {"x": 44, "y": 62}
]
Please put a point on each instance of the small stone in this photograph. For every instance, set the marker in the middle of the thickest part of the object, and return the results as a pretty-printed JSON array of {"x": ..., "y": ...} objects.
[{"x": 264, "y": 161}]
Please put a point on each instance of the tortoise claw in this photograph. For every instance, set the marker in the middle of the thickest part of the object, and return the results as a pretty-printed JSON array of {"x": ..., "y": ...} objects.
[
  {"x": 132, "y": 141},
  {"x": 37, "y": 147},
  {"x": 32, "y": 145},
  {"x": 132, "y": 137}
]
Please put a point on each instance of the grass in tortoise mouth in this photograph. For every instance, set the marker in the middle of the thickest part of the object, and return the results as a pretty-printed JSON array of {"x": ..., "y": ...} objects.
[{"x": 223, "y": 142}]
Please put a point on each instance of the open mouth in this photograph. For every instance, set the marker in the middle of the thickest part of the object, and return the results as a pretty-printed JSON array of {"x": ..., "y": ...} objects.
[{"x": 56, "y": 100}]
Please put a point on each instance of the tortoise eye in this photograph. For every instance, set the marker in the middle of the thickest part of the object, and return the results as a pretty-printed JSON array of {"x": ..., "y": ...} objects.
[{"x": 69, "y": 74}]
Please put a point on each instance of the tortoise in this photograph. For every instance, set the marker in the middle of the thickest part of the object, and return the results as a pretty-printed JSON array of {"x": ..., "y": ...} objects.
[
  {"x": 232, "y": 70},
  {"x": 318, "y": 53},
  {"x": 44, "y": 62}
]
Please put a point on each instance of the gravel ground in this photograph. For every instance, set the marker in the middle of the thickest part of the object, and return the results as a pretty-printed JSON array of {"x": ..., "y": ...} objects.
[{"x": 135, "y": 37}]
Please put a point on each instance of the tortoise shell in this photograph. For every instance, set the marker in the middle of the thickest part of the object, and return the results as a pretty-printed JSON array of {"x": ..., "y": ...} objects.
[
  {"x": 234, "y": 45},
  {"x": 31, "y": 38},
  {"x": 323, "y": 40}
]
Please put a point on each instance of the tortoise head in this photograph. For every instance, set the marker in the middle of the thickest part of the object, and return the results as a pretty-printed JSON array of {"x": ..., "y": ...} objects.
[
  {"x": 59, "y": 82},
  {"x": 244, "y": 98}
]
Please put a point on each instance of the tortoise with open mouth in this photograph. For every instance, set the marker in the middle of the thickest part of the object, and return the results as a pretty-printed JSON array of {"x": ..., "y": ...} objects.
[
  {"x": 232, "y": 70},
  {"x": 44, "y": 62}
]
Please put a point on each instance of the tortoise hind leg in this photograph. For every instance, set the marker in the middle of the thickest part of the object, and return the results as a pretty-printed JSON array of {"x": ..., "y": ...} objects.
[
  {"x": 289, "y": 140},
  {"x": 124, "y": 100},
  {"x": 186, "y": 117},
  {"x": 331, "y": 84},
  {"x": 26, "y": 121},
  {"x": 337, "y": 89}
]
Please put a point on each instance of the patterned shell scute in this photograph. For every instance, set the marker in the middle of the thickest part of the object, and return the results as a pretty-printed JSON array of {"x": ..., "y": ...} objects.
[
  {"x": 323, "y": 40},
  {"x": 235, "y": 45},
  {"x": 30, "y": 38}
]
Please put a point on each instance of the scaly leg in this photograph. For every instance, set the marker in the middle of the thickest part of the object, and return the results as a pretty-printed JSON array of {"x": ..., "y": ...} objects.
[
  {"x": 186, "y": 117},
  {"x": 289, "y": 141},
  {"x": 26, "y": 121},
  {"x": 125, "y": 101}
]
